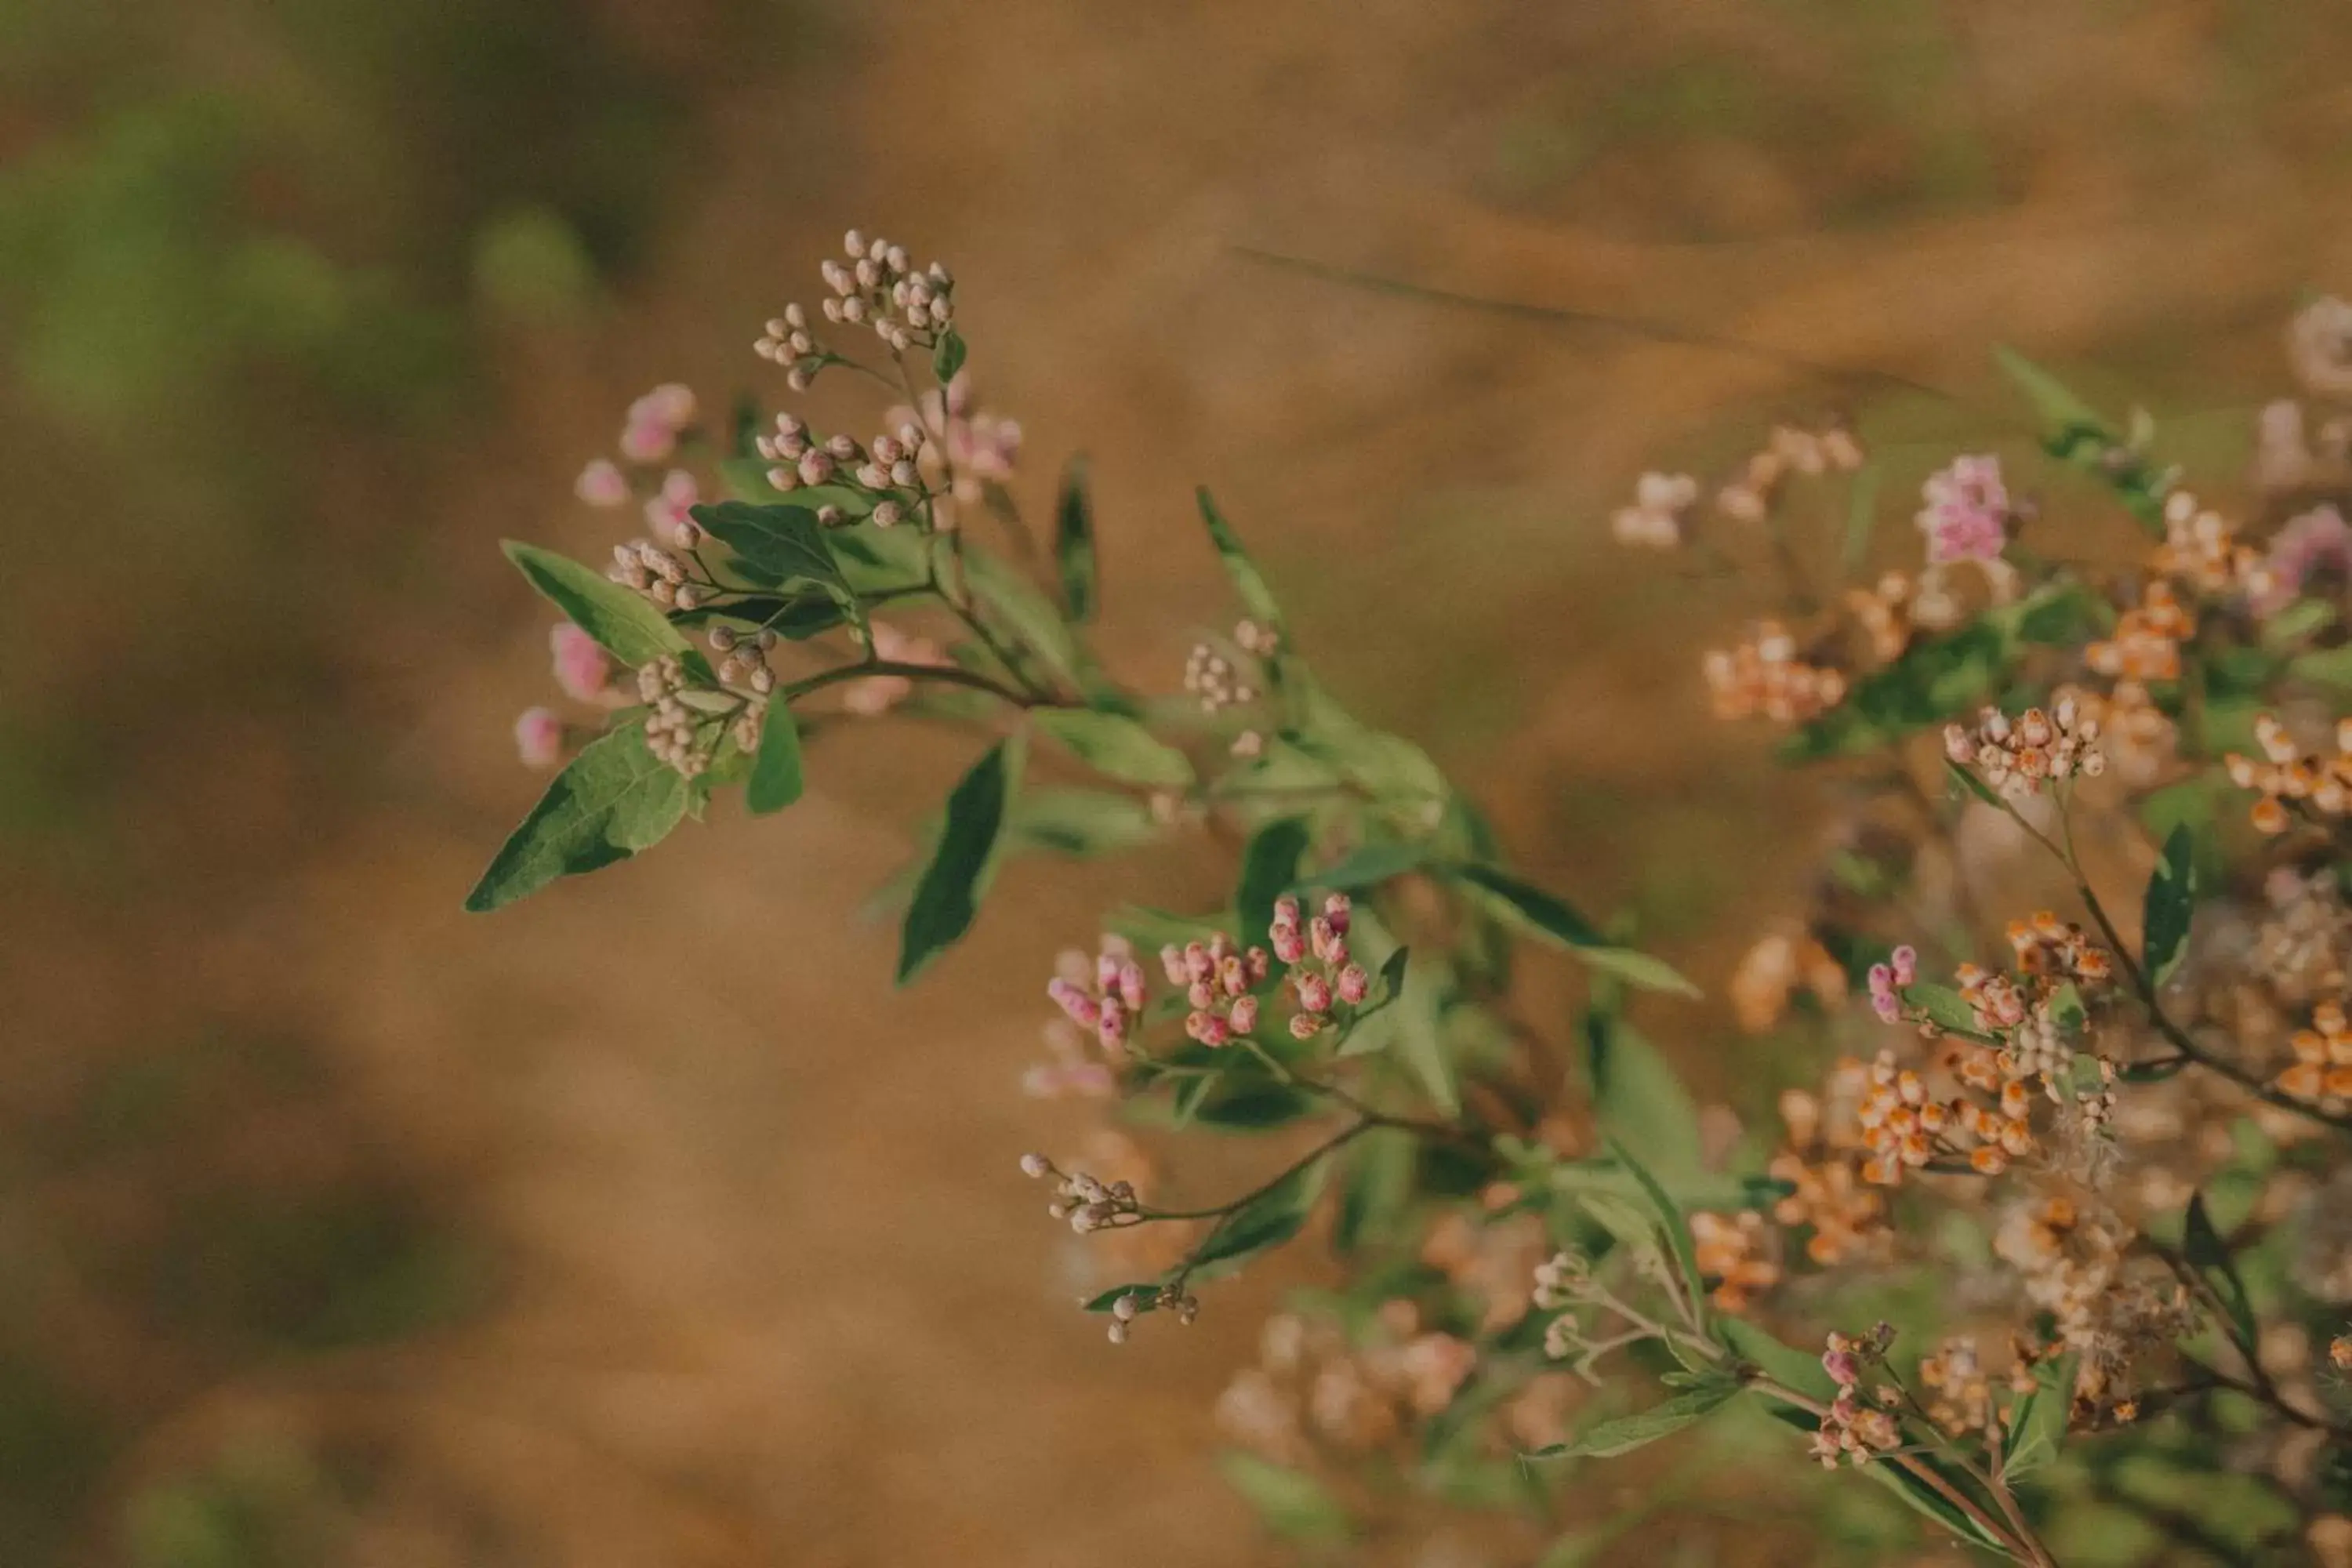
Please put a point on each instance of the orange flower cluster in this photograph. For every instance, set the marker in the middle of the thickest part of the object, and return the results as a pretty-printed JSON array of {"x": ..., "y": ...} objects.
[
  {"x": 1737, "y": 1253},
  {"x": 1764, "y": 676},
  {"x": 1750, "y": 496},
  {"x": 2286, "y": 772},
  {"x": 2051, "y": 949},
  {"x": 1822, "y": 1167},
  {"x": 1774, "y": 970},
  {"x": 2323, "y": 1058},
  {"x": 2148, "y": 638}
]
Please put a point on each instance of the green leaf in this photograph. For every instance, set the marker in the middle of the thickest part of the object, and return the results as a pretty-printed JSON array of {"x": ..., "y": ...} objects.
[
  {"x": 613, "y": 800},
  {"x": 2328, "y": 667},
  {"x": 1082, "y": 822},
  {"x": 1269, "y": 865},
  {"x": 2171, "y": 901},
  {"x": 1670, "y": 1222},
  {"x": 1289, "y": 1502},
  {"x": 948, "y": 356},
  {"x": 784, "y": 542},
  {"x": 2037, "y": 1421},
  {"x": 1640, "y": 970},
  {"x": 1269, "y": 1220},
  {"x": 1935, "y": 680},
  {"x": 1638, "y": 1100},
  {"x": 1249, "y": 586},
  {"x": 2075, "y": 433},
  {"x": 2208, "y": 1254},
  {"x": 1116, "y": 745},
  {"x": 947, "y": 898},
  {"x": 625, "y": 626},
  {"x": 1261, "y": 1106},
  {"x": 1793, "y": 1369},
  {"x": 1074, "y": 545},
  {"x": 776, "y": 781},
  {"x": 1378, "y": 1189},
  {"x": 1924, "y": 1500},
  {"x": 1368, "y": 866},
  {"x": 1417, "y": 1023},
  {"x": 1610, "y": 1439},
  {"x": 1021, "y": 607},
  {"x": 1530, "y": 908},
  {"x": 1946, "y": 1007}
]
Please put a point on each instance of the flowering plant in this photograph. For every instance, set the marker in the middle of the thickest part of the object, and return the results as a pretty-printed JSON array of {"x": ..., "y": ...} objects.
[{"x": 2049, "y": 1247}]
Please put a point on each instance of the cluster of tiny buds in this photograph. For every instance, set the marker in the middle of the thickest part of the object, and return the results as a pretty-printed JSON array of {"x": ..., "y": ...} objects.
[
  {"x": 1560, "y": 1281},
  {"x": 656, "y": 573},
  {"x": 2033, "y": 748},
  {"x": 889, "y": 462},
  {"x": 1211, "y": 677},
  {"x": 1900, "y": 971},
  {"x": 1852, "y": 1431},
  {"x": 1217, "y": 978},
  {"x": 1333, "y": 976},
  {"x": 1087, "y": 1203},
  {"x": 788, "y": 342},
  {"x": 880, "y": 288},
  {"x": 1654, "y": 520},
  {"x": 2285, "y": 772},
  {"x": 746, "y": 657},
  {"x": 1111, "y": 1005},
  {"x": 674, "y": 729}
]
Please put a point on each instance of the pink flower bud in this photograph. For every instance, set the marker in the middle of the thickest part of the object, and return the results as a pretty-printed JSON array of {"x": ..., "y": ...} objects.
[
  {"x": 1207, "y": 1028},
  {"x": 1288, "y": 945},
  {"x": 671, "y": 403},
  {"x": 1245, "y": 1014},
  {"x": 815, "y": 467},
  {"x": 1286, "y": 911},
  {"x": 1339, "y": 911},
  {"x": 1843, "y": 1371},
  {"x": 1905, "y": 961},
  {"x": 1354, "y": 984},
  {"x": 1258, "y": 965},
  {"x": 1885, "y": 1005},
  {"x": 583, "y": 669},
  {"x": 600, "y": 483},
  {"x": 1197, "y": 961},
  {"x": 1882, "y": 980},
  {"x": 1172, "y": 959},
  {"x": 538, "y": 737},
  {"x": 1201, "y": 994},
  {"x": 647, "y": 441},
  {"x": 1313, "y": 992},
  {"x": 1304, "y": 1025},
  {"x": 1232, "y": 974},
  {"x": 1959, "y": 745},
  {"x": 1082, "y": 1008},
  {"x": 1130, "y": 985}
]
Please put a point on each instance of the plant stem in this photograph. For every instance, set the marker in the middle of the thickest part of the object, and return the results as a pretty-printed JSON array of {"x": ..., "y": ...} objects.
[{"x": 946, "y": 673}]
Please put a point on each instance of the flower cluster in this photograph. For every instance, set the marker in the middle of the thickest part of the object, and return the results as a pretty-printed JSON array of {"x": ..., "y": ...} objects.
[
  {"x": 1749, "y": 495},
  {"x": 1853, "y": 1432},
  {"x": 2020, "y": 756},
  {"x": 1967, "y": 513},
  {"x": 2288, "y": 777},
  {"x": 1322, "y": 974},
  {"x": 1738, "y": 1255},
  {"x": 1219, "y": 982},
  {"x": 1313, "y": 1387},
  {"x": 2146, "y": 643},
  {"x": 875, "y": 285},
  {"x": 2322, "y": 1059},
  {"x": 1105, "y": 995},
  {"x": 1764, "y": 676},
  {"x": 1088, "y": 1203},
  {"x": 1661, "y": 503}
]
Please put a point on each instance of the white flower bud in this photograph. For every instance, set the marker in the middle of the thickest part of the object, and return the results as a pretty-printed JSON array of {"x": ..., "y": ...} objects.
[{"x": 1035, "y": 1166}]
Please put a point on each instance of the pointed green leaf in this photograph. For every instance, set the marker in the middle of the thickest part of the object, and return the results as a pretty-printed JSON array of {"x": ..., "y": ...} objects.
[
  {"x": 1946, "y": 1007},
  {"x": 2171, "y": 901},
  {"x": 947, "y": 898},
  {"x": 1530, "y": 908},
  {"x": 948, "y": 356},
  {"x": 2075, "y": 433},
  {"x": 613, "y": 800},
  {"x": 1368, "y": 866},
  {"x": 776, "y": 781},
  {"x": 1643, "y": 970},
  {"x": 1269, "y": 1220},
  {"x": 2209, "y": 1256},
  {"x": 1610, "y": 1439},
  {"x": 1074, "y": 543},
  {"x": 1081, "y": 823},
  {"x": 1670, "y": 1222},
  {"x": 2037, "y": 1421},
  {"x": 1116, "y": 745},
  {"x": 1638, "y": 1100},
  {"x": 1289, "y": 1502},
  {"x": 1793, "y": 1369},
  {"x": 630, "y": 628},
  {"x": 1022, "y": 608},
  {"x": 1968, "y": 780},
  {"x": 1249, "y": 586},
  {"x": 784, "y": 542}
]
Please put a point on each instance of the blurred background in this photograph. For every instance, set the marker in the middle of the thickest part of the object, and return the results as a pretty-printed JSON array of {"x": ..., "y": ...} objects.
[{"x": 643, "y": 1224}]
